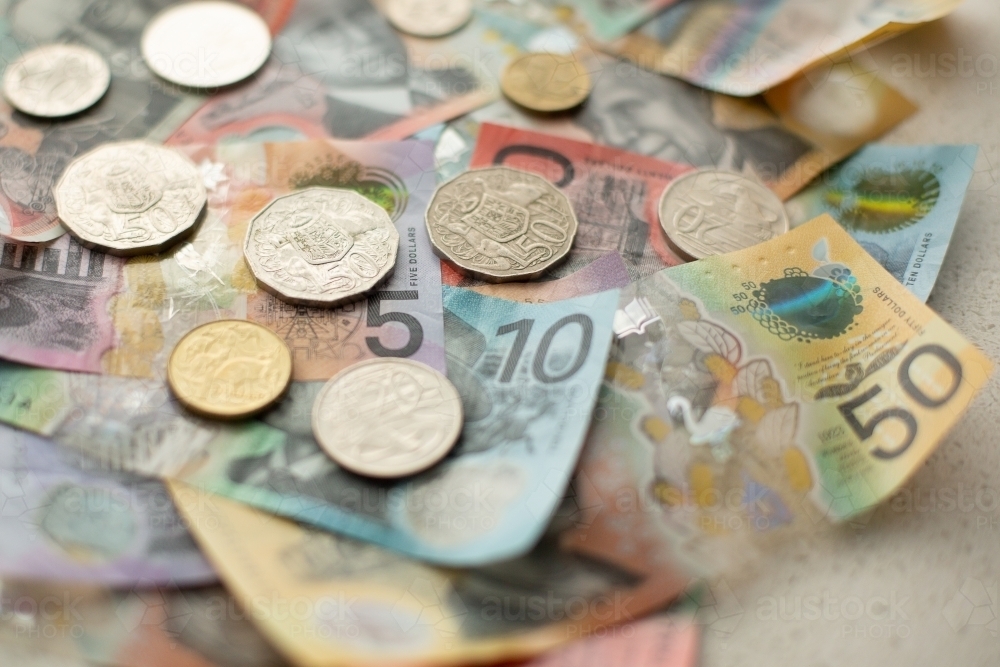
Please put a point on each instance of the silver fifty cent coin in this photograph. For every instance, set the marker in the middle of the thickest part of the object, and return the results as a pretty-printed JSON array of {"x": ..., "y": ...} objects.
[
  {"x": 428, "y": 18},
  {"x": 206, "y": 44},
  {"x": 56, "y": 80},
  {"x": 321, "y": 246},
  {"x": 387, "y": 417},
  {"x": 712, "y": 212},
  {"x": 501, "y": 224},
  {"x": 130, "y": 197}
]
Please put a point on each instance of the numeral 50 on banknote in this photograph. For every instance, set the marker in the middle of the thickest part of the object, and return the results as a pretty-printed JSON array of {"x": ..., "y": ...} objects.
[{"x": 921, "y": 387}]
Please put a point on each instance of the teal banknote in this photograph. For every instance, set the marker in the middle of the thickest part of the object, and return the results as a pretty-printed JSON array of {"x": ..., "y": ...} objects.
[
  {"x": 900, "y": 203},
  {"x": 528, "y": 375}
]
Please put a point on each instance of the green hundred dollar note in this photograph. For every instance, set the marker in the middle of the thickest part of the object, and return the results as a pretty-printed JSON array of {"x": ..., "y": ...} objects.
[{"x": 744, "y": 385}]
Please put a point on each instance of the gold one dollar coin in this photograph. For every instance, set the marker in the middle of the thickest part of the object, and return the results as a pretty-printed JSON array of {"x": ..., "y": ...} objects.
[
  {"x": 546, "y": 82},
  {"x": 229, "y": 369}
]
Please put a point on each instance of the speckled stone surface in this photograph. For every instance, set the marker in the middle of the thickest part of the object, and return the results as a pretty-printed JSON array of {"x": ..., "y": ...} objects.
[{"x": 916, "y": 585}]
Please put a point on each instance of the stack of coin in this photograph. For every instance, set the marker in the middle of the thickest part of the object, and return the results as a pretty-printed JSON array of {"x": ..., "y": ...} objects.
[{"x": 711, "y": 212}]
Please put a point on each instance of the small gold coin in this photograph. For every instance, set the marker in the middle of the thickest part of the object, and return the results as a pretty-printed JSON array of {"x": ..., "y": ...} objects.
[
  {"x": 229, "y": 369},
  {"x": 546, "y": 82}
]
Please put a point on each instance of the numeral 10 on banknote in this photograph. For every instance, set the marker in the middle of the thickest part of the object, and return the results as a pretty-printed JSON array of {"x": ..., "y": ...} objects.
[{"x": 523, "y": 329}]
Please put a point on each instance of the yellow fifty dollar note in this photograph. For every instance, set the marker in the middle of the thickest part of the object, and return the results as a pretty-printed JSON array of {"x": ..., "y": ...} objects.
[{"x": 798, "y": 367}]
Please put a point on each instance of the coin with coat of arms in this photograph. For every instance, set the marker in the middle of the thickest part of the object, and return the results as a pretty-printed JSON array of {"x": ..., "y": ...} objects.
[
  {"x": 130, "y": 197},
  {"x": 321, "y": 246},
  {"x": 500, "y": 224}
]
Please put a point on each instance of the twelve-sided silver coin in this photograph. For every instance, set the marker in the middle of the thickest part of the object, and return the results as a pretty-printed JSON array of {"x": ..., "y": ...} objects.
[
  {"x": 321, "y": 246},
  {"x": 500, "y": 224},
  {"x": 130, "y": 197}
]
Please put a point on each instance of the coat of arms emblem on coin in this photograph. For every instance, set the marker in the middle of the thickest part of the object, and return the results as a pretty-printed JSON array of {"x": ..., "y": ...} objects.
[
  {"x": 501, "y": 224},
  {"x": 321, "y": 246},
  {"x": 130, "y": 198}
]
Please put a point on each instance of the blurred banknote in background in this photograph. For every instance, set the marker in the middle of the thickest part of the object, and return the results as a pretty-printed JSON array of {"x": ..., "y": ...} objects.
[
  {"x": 60, "y": 522},
  {"x": 339, "y": 70},
  {"x": 785, "y": 138},
  {"x": 900, "y": 203},
  {"x": 361, "y": 604},
  {"x": 765, "y": 44}
]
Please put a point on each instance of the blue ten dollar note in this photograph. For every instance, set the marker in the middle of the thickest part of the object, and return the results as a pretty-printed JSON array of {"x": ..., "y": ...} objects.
[
  {"x": 900, "y": 203},
  {"x": 528, "y": 375}
]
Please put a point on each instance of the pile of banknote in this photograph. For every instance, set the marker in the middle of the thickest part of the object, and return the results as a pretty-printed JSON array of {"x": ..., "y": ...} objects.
[{"x": 369, "y": 332}]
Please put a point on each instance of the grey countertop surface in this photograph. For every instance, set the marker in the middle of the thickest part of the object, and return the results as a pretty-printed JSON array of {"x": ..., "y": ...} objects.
[{"x": 918, "y": 583}]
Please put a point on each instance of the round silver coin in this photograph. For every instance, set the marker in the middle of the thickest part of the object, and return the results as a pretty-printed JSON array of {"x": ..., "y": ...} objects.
[
  {"x": 711, "y": 212},
  {"x": 130, "y": 198},
  {"x": 387, "y": 417},
  {"x": 56, "y": 80},
  {"x": 501, "y": 224},
  {"x": 321, "y": 246},
  {"x": 428, "y": 18},
  {"x": 206, "y": 44}
]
